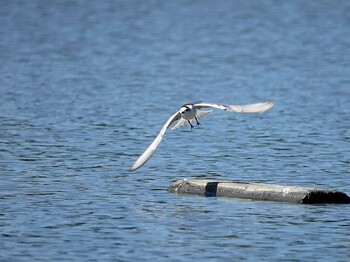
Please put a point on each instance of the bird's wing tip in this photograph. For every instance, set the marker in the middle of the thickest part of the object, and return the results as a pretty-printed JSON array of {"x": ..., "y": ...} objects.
[
  {"x": 133, "y": 168},
  {"x": 271, "y": 104}
]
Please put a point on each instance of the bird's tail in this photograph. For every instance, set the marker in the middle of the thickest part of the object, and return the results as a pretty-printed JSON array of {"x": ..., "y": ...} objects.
[{"x": 182, "y": 122}]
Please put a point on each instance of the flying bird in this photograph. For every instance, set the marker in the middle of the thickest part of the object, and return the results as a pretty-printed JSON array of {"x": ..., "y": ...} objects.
[{"x": 189, "y": 114}]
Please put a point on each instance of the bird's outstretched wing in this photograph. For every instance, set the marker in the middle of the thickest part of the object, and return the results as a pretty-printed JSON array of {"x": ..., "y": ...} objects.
[
  {"x": 249, "y": 108},
  {"x": 150, "y": 150}
]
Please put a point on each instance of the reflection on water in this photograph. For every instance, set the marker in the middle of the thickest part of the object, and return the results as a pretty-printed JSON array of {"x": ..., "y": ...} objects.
[{"x": 85, "y": 87}]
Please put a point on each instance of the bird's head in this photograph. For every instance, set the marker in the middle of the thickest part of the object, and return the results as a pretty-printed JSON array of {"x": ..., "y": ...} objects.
[{"x": 185, "y": 109}]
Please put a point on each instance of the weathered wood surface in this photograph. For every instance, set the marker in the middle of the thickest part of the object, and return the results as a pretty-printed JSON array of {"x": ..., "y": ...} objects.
[{"x": 257, "y": 191}]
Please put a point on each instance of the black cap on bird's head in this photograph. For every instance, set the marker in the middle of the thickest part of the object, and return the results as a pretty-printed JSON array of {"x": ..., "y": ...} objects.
[{"x": 185, "y": 108}]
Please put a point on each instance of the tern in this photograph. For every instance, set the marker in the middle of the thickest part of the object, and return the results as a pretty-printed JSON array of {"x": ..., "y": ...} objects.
[{"x": 190, "y": 113}]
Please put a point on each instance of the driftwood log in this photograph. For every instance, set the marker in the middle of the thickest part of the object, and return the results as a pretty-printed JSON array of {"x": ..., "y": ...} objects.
[{"x": 257, "y": 191}]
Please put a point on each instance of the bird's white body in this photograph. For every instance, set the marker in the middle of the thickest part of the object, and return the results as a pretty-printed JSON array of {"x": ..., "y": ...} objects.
[
  {"x": 192, "y": 112},
  {"x": 188, "y": 111}
]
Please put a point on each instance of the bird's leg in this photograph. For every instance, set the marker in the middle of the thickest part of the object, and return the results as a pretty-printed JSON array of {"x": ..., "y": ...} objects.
[
  {"x": 198, "y": 124},
  {"x": 190, "y": 124}
]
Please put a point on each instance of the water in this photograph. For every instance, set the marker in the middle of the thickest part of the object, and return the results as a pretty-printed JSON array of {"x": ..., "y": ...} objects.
[{"x": 86, "y": 85}]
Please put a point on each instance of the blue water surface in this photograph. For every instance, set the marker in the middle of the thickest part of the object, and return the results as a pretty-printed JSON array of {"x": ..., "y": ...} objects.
[{"x": 85, "y": 86}]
